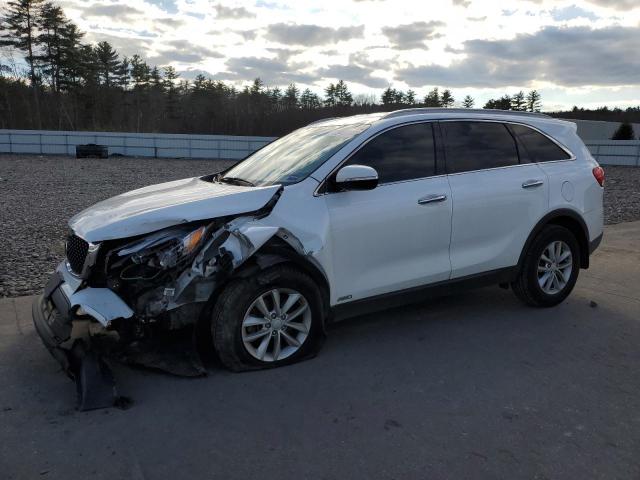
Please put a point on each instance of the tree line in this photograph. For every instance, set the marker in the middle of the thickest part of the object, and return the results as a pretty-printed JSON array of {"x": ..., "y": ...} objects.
[{"x": 69, "y": 84}]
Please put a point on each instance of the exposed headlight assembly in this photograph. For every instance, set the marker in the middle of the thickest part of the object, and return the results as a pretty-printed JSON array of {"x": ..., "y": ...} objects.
[{"x": 158, "y": 252}]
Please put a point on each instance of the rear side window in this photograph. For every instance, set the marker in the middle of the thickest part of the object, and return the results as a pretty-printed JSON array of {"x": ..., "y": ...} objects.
[
  {"x": 404, "y": 153},
  {"x": 478, "y": 146},
  {"x": 535, "y": 147}
]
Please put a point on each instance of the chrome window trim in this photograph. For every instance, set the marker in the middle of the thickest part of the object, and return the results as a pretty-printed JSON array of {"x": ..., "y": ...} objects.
[{"x": 571, "y": 158}]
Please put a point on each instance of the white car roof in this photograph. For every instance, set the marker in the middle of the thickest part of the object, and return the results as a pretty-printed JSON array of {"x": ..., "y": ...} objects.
[
  {"x": 410, "y": 114},
  {"x": 547, "y": 124}
]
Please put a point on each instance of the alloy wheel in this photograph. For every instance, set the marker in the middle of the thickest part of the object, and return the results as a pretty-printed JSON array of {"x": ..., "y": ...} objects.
[
  {"x": 276, "y": 324},
  {"x": 554, "y": 267}
]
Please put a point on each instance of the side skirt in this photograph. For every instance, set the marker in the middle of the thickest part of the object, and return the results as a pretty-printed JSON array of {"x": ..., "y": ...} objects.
[{"x": 419, "y": 294}]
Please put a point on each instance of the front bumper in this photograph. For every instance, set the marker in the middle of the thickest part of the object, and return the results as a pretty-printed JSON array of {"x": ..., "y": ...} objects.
[{"x": 66, "y": 336}]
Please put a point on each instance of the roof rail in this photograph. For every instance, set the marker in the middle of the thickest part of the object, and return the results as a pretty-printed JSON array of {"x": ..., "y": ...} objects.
[
  {"x": 415, "y": 111},
  {"x": 321, "y": 120}
]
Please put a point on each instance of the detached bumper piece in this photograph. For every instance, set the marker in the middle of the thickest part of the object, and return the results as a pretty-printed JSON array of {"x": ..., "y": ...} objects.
[{"x": 68, "y": 342}]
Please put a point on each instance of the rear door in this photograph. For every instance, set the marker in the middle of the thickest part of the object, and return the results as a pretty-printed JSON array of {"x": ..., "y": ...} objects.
[
  {"x": 497, "y": 198},
  {"x": 395, "y": 236}
]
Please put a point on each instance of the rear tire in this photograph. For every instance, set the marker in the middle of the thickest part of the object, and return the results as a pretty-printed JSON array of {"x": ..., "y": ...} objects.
[
  {"x": 271, "y": 319},
  {"x": 550, "y": 268}
]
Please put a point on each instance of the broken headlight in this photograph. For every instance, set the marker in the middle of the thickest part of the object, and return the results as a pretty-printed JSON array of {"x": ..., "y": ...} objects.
[{"x": 160, "y": 251}]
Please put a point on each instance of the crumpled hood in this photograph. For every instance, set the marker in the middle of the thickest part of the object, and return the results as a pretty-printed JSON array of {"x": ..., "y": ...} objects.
[{"x": 166, "y": 204}]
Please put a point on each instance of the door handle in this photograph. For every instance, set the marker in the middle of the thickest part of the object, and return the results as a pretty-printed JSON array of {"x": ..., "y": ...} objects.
[
  {"x": 532, "y": 183},
  {"x": 433, "y": 198}
]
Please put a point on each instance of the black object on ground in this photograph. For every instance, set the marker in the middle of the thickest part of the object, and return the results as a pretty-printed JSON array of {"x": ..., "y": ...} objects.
[{"x": 92, "y": 150}]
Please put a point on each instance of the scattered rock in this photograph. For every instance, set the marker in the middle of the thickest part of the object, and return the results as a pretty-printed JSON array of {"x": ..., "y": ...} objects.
[{"x": 42, "y": 193}]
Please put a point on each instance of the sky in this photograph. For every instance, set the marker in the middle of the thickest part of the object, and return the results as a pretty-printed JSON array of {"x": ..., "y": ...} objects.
[{"x": 584, "y": 53}]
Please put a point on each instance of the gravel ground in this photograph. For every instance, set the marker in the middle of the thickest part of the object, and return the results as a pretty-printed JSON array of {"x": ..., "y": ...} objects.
[{"x": 39, "y": 195}]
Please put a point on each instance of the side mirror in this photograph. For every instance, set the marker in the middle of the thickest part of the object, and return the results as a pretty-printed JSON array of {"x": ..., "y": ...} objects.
[{"x": 356, "y": 177}]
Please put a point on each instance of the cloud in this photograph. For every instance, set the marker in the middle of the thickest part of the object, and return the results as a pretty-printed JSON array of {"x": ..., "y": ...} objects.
[
  {"x": 413, "y": 35},
  {"x": 578, "y": 56},
  {"x": 284, "y": 54},
  {"x": 169, "y": 22},
  {"x": 191, "y": 73},
  {"x": 616, "y": 4},
  {"x": 571, "y": 12},
  {"x": 183, "y": 51},
  {"x": 115, "y": 11},
  {"x": 166, "y": 5},
  {"x": 462, "y": 3},
  {"x": 231, "y": 13},
  {"x": 269, "y": 70},
  {"x": 353, "y": 73},
  {"x": 311, "y": 35},
  {"x": 125, "y": 46}
]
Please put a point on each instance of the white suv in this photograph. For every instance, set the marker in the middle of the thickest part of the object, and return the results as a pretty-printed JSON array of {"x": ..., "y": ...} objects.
[{"x": 334, "y": 219}]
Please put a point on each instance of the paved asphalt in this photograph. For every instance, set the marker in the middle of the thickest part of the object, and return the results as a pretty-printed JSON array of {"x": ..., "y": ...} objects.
[{"x": 470, "y": 386}]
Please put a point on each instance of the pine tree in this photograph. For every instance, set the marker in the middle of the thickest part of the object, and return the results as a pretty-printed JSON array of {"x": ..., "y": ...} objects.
[
  {"x": 330, "y": 99},
  {"x": 19, "y": 27},
  {"x": 124, "y": 74},
  {"x": 502, "y": 103},
  {"x": 71, "y": 61},
  {"x": 309, "y": 100},
  {"x": 447, "y": 99},
  {"x": 342, "y": 94},
  {"x": 534, "y": 101},
  {"x": 624, "y": 132},
  {"x": 108, "y": 63},
  {"x": 468, "y": 102},
  {"x": 518, "y": 102},
  {"x": 432, "y": 99},
  {"x": 275, "y": 98},
  {"x": 256, "y": 87},
  {"x": 172, "y": 91},
  {"x": 388, "y": 96},
  {"x": 291, "y": 97},
  {"x": 52, "y": 26},
  {"x": 410, "y": 97}
]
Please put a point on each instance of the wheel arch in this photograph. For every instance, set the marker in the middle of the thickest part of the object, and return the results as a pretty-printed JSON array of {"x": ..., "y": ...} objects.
[
  {"x": 569, "y": 219},
  {"x": 277, "y": 251}
]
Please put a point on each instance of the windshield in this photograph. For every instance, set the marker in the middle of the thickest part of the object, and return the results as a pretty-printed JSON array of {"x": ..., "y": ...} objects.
[{"x": 294, "y": 157}]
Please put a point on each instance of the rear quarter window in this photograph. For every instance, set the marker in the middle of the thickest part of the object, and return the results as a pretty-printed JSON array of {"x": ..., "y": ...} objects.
[{"x": 535, "y": 147}]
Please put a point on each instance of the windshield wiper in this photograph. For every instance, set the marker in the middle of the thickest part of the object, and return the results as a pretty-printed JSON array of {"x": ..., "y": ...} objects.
[{"x": 236, "y": 181}]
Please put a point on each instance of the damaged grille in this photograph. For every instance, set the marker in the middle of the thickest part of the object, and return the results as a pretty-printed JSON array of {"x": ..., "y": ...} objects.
[{"x": 77, "y": 250}]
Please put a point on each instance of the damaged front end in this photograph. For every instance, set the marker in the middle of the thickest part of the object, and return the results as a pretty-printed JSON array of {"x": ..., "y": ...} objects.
[{"x": 138, "y": 300}]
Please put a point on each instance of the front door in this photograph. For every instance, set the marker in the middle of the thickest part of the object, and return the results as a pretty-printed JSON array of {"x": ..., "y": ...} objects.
[{"x": 395, "y": 236}]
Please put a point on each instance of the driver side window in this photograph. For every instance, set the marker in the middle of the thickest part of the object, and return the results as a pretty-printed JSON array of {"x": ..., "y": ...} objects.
[{"x": 403, "y": 153}]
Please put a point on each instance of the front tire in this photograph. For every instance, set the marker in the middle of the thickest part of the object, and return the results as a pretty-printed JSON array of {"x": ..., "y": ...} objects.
[
  {"x": 550, "y": 268},
  {"x": 267, "y": 320}
]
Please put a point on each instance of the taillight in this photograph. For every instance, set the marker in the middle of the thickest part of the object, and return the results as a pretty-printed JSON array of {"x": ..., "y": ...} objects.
[{"x": 598, "y": 173}]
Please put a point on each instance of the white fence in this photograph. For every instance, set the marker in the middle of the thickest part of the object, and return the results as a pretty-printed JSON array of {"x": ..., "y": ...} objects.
[
  {"x": 131, "y": 144},
  {"x": 161, "y": 145},
  {"x": 615, "y": 152}
]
